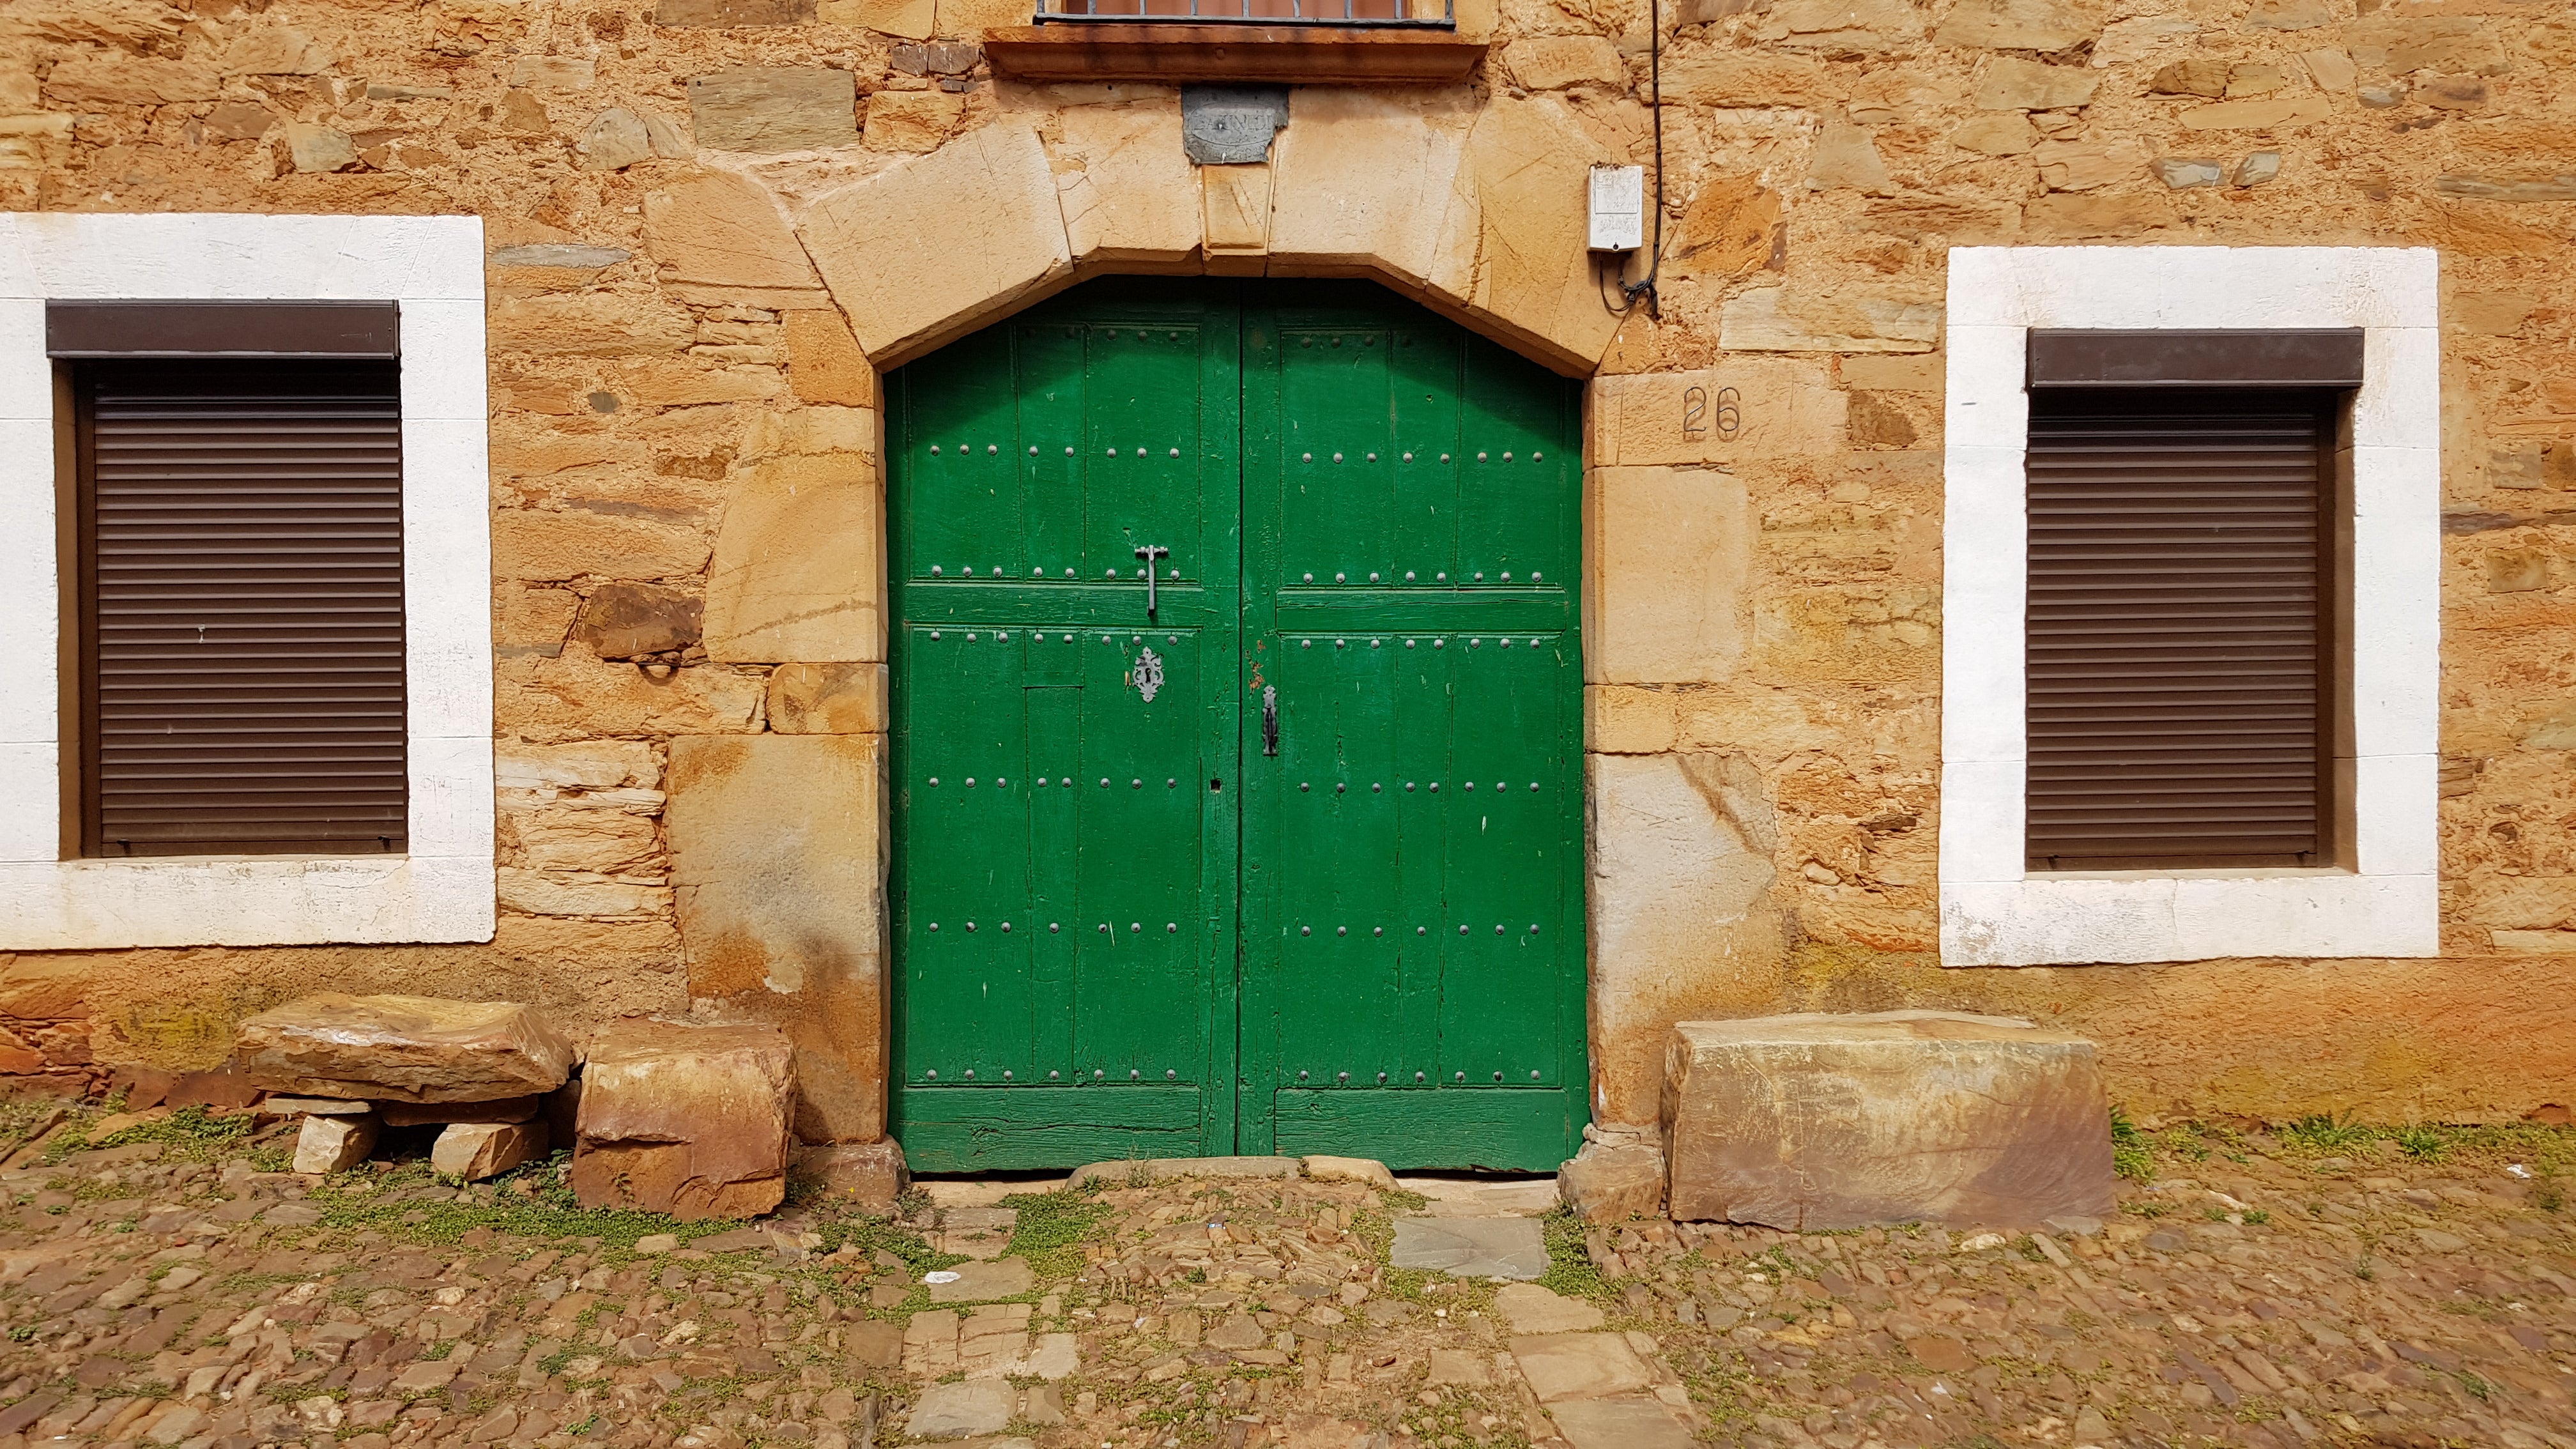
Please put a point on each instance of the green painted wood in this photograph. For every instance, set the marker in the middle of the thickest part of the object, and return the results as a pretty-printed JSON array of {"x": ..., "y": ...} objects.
[
  {"x": 1063, "y": 911},
  {"x": 1413, "y": 947},
  {"x": 1505, "y": 1130},
  {"x": 1368, "y": 943},
  {"x": 970, "y": 1129}
]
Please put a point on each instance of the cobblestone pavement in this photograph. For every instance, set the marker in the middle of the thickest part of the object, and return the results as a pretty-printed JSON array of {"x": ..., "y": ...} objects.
[{"x": 2331, "y": 1288}]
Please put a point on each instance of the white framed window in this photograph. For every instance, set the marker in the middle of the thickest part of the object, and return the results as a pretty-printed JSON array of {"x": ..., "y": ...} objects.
[
  {"x": 439, "y": 886},
  {"x": 2378, "y": 894}
]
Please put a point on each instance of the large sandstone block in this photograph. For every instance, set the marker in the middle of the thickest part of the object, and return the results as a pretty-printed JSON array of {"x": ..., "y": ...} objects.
[
  {"x": 1671, "y": 553},
  {"x": 1823, "y": 1121},
  {"x": 688, "y": 1120},
  {"x": 1361, "y": 179},
  {"x": 1512, "y": 246},
  {"x": 777, "y": 849},
  {"x": 775, "y": 108},
  {"x": 402, "y": 1049},
  {"x": 1129, "y": 194},
  {"x": 721, "y": 239},
  {"x": 1682, "y": 921},
  {"x": 1753, "y": 407},
  {"x": 905, "y": 270},
  {"x": 795, "y": 573}
]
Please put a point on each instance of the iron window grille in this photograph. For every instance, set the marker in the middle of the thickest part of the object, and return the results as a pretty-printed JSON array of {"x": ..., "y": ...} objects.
[{"x": 1335, "y": 14}]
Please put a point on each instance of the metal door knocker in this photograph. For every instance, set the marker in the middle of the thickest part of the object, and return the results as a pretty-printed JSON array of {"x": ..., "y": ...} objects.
[{"x": 1149, "y": 553}]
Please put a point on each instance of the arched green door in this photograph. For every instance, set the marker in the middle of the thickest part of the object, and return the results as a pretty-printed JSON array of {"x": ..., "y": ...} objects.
[{"x": 1279, "y": 850}]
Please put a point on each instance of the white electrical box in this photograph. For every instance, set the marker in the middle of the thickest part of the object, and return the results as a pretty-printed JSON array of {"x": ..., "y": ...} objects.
[{"x": 1618, "y": 208}]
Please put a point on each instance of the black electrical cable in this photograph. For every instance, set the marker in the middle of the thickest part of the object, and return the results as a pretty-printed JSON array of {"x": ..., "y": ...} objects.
[{"x": 1655, "y": 69}]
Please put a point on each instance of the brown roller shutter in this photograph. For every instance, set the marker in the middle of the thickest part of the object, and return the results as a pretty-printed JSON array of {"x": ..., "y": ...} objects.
[
  {"x": 240, "y": 604},
  {"x": 2176, "y": 628}
]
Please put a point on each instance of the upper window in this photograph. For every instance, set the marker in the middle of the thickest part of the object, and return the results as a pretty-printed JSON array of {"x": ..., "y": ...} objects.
[
  {"x": 2190, "y": 604},
  {"x": 239, "y": 605},
  {"x": 1434, "y": 13}
]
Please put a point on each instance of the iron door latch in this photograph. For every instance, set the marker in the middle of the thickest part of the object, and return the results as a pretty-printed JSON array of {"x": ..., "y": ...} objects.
[
  {"x": 1150, "y": 552},
  {"x": 1269, "y": 719}
]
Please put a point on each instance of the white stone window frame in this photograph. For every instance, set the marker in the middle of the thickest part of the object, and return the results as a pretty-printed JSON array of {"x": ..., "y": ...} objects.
[
  {"x": 2381, "y": 897},
  {"x": 442, "y": 889}
]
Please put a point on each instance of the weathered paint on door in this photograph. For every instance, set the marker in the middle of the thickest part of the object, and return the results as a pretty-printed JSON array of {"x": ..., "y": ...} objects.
[{"x": 1284, "y": 852}]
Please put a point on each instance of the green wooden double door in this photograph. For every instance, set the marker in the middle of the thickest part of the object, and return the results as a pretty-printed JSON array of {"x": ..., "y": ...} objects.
[{"x": 1237, "y": 762}]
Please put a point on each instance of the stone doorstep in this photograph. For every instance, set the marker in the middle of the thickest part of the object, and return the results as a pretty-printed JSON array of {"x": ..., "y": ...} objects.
[
  {"x": 1477, "y": 1197},
  {"x": 1462, "y": 1247}
]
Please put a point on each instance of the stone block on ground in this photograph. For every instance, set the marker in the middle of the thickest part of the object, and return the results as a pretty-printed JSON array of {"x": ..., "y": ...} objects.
[
  {"x": 403, "y": 1049},
  {"x": 334, "y": 1144},
  {"x": 477, "y": 1150},
  {"x": 862, "y": 1175},
  {"x": 689, "y": 1120},
  {"x": 874, "y": 1343},
  {"x": 1824, "y": 1121},
  {"x": 982, "y": 1282},
  {"x": 1624, "y": 1421},
  {"x": 1351, "y": 1169},
  {"x": 1607, "y": 1184},
  {"x": 440, "y": 1114},
  {"x": 962, "y": 1410},
  {"x": 1528, "y": 1308},
  {"x": 1472, "y": 1247},
  {"x": 1165, "y": 1169},
  {"x": 309, "y": 1107},
  {"x": 1581, "y": 1366}
]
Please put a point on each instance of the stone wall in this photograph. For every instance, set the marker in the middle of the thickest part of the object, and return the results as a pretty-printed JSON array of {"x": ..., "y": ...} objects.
[{"x": 705, "y": 241}]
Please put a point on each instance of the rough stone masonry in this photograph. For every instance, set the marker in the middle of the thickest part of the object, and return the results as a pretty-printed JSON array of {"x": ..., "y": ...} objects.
[{"x": 711, "y": 221}]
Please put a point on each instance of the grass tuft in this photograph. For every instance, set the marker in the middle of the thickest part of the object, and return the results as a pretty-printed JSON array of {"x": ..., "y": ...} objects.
[
  {"x": 1053, "y": 1226},
  {"x": 2130, "y": 1157},
  {"x": 1571, "y": 1272}
]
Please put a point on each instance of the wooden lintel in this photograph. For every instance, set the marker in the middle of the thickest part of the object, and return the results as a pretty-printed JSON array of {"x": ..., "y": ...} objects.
[{"x": 1181, "y": 54}]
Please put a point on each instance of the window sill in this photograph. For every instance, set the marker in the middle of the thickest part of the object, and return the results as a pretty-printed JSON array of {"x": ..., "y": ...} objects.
[{"x": 1183, "y": 54}]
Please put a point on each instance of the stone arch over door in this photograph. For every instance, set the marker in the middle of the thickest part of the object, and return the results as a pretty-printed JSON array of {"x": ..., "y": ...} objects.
[
  {"x": 779, "y": 837},
  {"x": 1478, "y": 212}
]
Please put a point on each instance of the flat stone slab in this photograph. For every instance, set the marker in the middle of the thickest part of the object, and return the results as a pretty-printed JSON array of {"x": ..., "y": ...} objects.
[
  {"x": 1165, "y": 1169},
  {"x": 1528, "y": 1308},
  {"x": 1472, "y": 1247},
  {"x": 983, "y": 1282},
  {"x": 1581, "y": 1366},
  {"x": 1453, "y": 1197},
  {"x": 963, "y": 1410},
  {"x": 1625, "y": 1421}
]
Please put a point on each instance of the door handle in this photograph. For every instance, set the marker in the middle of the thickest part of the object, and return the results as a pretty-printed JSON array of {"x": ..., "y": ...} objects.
[
  {"x": 1269, "y": 719},
  {"x": 1150, "y": 552}
]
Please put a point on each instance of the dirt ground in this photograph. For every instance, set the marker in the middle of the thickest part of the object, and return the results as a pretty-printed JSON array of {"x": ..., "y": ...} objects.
[{"x": 2326, "y": 1285}]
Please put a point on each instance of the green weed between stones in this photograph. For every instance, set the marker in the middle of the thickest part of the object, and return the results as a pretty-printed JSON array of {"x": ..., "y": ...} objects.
[
  {"x": 1571, "y": 1272},
  {"x": 191, "y": 1133},
  {"x": 1053, "y": 1226},
  {"x": 2129, "y": 1154}
]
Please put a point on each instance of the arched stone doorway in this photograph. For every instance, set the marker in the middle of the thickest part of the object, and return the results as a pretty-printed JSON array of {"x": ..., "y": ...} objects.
[{"x": 1278, "y": 848}]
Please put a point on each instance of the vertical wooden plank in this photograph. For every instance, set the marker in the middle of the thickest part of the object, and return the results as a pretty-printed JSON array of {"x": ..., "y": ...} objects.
[
  {"x": 1519, "y": 471},
  {"x": 1424, "y": 390},
  {"x": 1048, "y": 356}
]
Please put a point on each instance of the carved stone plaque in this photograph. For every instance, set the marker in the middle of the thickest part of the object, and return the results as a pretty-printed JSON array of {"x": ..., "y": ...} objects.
[{"x": 1231, "y": 125}]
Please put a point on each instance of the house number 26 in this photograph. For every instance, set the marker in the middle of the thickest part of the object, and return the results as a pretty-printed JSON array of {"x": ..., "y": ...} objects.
[{"x": 1695, "y": 418}]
